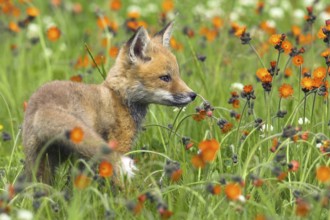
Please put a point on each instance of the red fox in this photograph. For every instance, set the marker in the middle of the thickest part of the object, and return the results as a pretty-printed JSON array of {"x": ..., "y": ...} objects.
[{"x": 144, "y": 72}]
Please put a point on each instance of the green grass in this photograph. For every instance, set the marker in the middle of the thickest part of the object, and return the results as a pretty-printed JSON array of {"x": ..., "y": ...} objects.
[{"x": 24, "y": 69}]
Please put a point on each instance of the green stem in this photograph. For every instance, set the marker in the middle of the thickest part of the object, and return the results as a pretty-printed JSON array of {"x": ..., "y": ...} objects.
[
  {"x": 256, "y": 52},
  {"x": 240, "y": 121},
  {"x": 314, "y": 98}
]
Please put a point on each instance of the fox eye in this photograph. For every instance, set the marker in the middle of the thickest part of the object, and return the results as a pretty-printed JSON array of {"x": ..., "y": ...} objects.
[{"x": 165, "y": 78}]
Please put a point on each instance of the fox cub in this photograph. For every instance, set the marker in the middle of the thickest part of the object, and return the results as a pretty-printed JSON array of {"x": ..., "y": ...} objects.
[{"x": 144, "y": 72}]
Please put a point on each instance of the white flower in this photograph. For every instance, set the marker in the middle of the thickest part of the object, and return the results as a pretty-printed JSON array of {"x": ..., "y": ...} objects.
[
  {"x": 4, "y": 216},
  {"x": 276, "y": 12},
  {"x": 32, "y": 31},
  {"x": 298, "y": 14},
  {"x": 241, "y": 198},
  {"x": 24, "y": 215},
  {"x": 151, "y": 8},
  {"x": 302, "y": 121},
  {"x": 134, "y": 8},
  {"x": 318, "y": 145},
  {"x": 266, "y": 127},
  {"x": 127, "y": 167},
  {"x": 199, "y": 9},
  {"x": 237, "y": 86},
  {"x": 247, "y": 2}
]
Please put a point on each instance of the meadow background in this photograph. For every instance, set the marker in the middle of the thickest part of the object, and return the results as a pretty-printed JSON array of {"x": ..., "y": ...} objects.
[{"x": 242, "y": 149}]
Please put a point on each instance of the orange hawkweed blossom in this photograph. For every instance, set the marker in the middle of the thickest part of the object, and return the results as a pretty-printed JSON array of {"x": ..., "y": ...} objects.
[
  {"x": 233, "y": 191},
  {"x": 113, "y": 51},
  {"x": 12, "y": 26},
  {"x": 264, "y": 76},
  {"x": 320, "y": 73},
  {"x": 105, "y": 169},
  {"x": 286, "y": 46},
  {"x": 76, "y": 135},
  {"x": 199, "y": 116},
  {"x": 175, "y": 44},
  {"x": 32, "y": 12},
  {"x": 275, "y": 39},
  {"x": 208, "y": 149},
  {"x": 298, "y": 60},
  {"x": 167, "y": 5},
  {"x": 82, "y": 181},
  {"x": 285, "y": 91},
  {"x": 217, "y": 22},
  {"x": 115, "y": 5},
  {"x": 176, "y": 175},
  {"x": 82, "y": 62},
  {"x": 53, "y": 33},
  {"x": 307, "y": 83},
  {"x": 323, "y": 174}
]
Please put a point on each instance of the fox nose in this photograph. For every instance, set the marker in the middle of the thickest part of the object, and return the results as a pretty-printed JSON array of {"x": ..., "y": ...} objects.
[{"x": 192, "y": 95}]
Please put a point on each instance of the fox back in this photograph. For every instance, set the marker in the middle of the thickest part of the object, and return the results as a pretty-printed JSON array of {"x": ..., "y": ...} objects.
[{"x": 144, "y": 72}]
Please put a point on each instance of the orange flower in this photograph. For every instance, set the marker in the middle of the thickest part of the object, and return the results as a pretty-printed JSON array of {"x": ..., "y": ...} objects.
[
  {"x": 115, "y": 5},
  {"x": 320, "y": 34},
  {"x": 99, "y": 60},
  {"x": 296, "y": 30},
  {"x": 326, "y": 53},
  {"x": 240, "y": 31},
  {"x": 233, "y": 191},
  {"x": 105, "y": 169},
  {"x": 209, "y": 148},
  {"x": 176, "y": 175},
  {"x": 323, "y": 174},
  {"x": 217, "y": 22},
  {"x": 307, "y": 83},
  {"x": 200, "y": 115},
  {"x": 288, "y": 72},
  {"x": 167, "y": 5},
  {"x": 275, "y": 39},
  {"x": 302, "y": 208},
  {"x": 264, "y": 25},
  {"x": 82, "y": 62},
  {"x": 13, "y": 27},
  {"x": 176, "y": 45},
  {"x": 198, "y": 161},
  {"x": 285, "y": 91},
  {"x": 263, "y": 75},
  {"x": 53, "y": 33},
  {"x": 76, "y": 135},
  {"x": 113, "y": 52},
  {"x": 216, "y": 189},
  {"x": 76, "y": 78},
  {"x": 236, "y": 103},
  {"x": 319, "y": 73},
  {"x": 286, "y": 46},
  {"x": 32, "y": 12},
  {"x": 227, "y": 127},
  {"x": 282, "y": 176},
  {"x": 103, "y": 22},
  {"x": 133, "y": 15},
  {"x": 248, "y": 89},
  {"x": 164, "y": 213},
  {"x": 298, "y": 60},
  {"x": 82, "y": 181}
]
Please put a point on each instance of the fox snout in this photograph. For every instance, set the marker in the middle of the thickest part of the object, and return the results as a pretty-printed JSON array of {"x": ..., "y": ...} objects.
[{"x": 183, "y": 99}]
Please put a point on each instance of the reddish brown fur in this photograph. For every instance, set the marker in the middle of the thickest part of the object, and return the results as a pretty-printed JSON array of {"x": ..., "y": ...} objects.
[{"x": 112, "y": 110}]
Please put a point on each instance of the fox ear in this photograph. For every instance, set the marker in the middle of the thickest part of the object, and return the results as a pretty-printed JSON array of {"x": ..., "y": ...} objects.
[
  {"x": 165, "y": 34},
  {"x": 137, "y": 45}
]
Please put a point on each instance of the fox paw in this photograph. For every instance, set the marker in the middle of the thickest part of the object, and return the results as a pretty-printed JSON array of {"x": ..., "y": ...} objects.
[{"x": 127, "y": 167}]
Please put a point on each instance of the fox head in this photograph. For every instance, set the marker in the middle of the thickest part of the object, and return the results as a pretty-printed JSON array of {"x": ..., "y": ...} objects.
[{"x": 147, "y": 72}]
